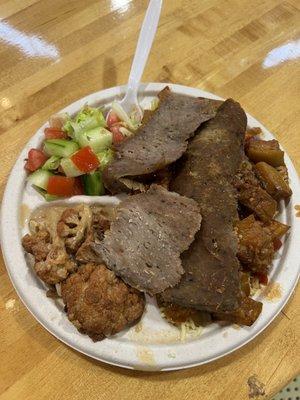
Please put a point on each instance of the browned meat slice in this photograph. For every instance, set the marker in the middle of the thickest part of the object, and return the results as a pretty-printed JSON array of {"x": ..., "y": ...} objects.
[
  {"x": 144, "y": 243},
  {"x": 100, "y": 304},
  {"x": 256, "y": 249},
  {"x": 211, "y": 281},
  {"x": 252, "y": 195},
  {"x": 161, "y": 140},
  {"x": 247, "y": 313}
]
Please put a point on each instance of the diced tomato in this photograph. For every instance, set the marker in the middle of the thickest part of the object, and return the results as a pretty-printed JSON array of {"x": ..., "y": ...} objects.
[
  {"x": 36, "y": 158},
  {"x": 263, "y": 278},
  {"x": 112, "y": 119},
  {"x": 118, "y": 137},
  {"x": 61, "y": 186},
  {"x": 78, "y": 187},
  {"x": 85, "y": 159},
  {"x": 277, "y": 243},
  {"x": 54, "y": 133}
]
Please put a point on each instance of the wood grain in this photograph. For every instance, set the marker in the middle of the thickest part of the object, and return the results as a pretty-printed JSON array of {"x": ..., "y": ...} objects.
[{"x": 53, "y": 52}]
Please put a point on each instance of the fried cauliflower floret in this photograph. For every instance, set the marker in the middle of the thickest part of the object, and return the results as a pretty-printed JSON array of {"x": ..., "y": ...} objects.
[
  {"x": 52, "y": 264},
  {"x": 56, "y": 267},
  {"x": 73, "y": 225},
  {"x": 37, "y": 244},
  {"x": 98, "y": 303}
]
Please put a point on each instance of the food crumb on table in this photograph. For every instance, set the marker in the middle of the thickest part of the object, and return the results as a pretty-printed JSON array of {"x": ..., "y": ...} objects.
[
  {"x": 10, "y": 304},
  {"x": 256, "y": 387}
]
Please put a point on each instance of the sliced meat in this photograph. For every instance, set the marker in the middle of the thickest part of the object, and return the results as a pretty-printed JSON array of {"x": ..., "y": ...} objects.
[
  {"x": 247, "y": 313},
  {"x": 144, "y": 243},
  {"x": 161, "y": 140},
  {"x": 211, "y": 281},
  {"x": 100, "y": 304}
]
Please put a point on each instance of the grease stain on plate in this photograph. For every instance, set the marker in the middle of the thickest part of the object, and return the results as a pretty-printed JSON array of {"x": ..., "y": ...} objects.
[
  {"x": 171, "y": 355},
  {"x": 138, "y": 327},
  {"x": 24, "y": 214},
  {"x": 146, "y": 356},
  {"x": 273, "y": 292},
  {"x": 141, "y": 334}
]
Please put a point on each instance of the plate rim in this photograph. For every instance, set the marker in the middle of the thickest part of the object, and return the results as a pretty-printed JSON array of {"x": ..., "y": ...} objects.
[{"x": 6, "y": 202}]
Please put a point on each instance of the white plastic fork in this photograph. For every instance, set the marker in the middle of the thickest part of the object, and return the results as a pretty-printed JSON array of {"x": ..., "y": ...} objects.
[{"x": 144, "y": 44}]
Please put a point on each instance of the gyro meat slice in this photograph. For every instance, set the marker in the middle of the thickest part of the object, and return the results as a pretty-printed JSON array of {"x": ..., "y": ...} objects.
[
  {"x": 144, "y": 242},
  {"x": 98, "y": 303},
  {"x": 161, "y": 140}
]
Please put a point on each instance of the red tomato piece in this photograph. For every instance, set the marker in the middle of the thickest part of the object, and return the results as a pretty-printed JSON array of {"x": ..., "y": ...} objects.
[
  {"x": 118, "y": 137},
  {"x": 36, "y": 158},
  {"x": 85, "y": 159},
  {"x": 61, "y": 186},
  {"x": 277, "y": 243},
  {"x": 112, "y": 119},
  {"x": 54, "y": 133},
  {"x": 263, "y": 278}
]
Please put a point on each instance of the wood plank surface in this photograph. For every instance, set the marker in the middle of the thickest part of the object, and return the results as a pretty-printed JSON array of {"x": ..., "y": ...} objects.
[{"x": 53, "y": 52}]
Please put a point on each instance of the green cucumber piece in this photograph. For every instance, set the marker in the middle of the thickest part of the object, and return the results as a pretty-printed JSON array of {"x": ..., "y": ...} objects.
[
  {"x": 51, "y": 163},
  {"x": 60, "y": 147},
  {"x": 98, "y": 139},
  {"x": 105, "y": 157},
  {"x": 93, "y": 184},
  {"x": 40, "y": 178},
  {"x": 50, "y": 197},
  {"x": 47, "y": 196},
  {"x": 70, "y": 168}
]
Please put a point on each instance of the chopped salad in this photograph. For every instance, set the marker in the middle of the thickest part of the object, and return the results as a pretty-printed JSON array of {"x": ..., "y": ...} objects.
[{"x": 76, "y": 150}]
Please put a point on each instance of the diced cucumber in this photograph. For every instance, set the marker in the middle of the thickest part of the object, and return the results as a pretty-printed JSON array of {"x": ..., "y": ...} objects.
[
  {"x": 105, "y": 157},
  {"x": 60, "y": 147},
  {"x": 51, "y": 163},
  {"x": 93, "y": 185},
  {"x": 98, "y": 139},
  {"x": 70, "y": 168},
  {"x": 40, "y": 178},
  {"x": 50, "y": 197},
  {"x": 47, "y": 196}
]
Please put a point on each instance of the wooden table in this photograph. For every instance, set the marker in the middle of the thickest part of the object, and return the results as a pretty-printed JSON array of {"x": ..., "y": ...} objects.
[{"x": 56, "y": 51}]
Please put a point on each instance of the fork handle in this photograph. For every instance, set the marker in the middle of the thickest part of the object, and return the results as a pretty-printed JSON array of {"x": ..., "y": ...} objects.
[{"x": 144, "y": 44}]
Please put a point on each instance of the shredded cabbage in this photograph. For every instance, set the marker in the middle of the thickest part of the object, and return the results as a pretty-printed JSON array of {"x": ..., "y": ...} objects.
[
  {"x": 87, "y": 118},
  {"x": 154, "y": 104},
  {"x": 131, "y": 122}
]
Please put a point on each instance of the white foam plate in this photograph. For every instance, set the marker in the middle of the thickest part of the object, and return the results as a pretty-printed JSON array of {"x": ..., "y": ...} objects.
[{"x": 153, "y": 344}]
